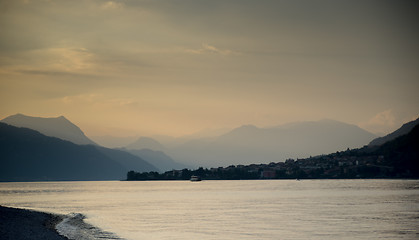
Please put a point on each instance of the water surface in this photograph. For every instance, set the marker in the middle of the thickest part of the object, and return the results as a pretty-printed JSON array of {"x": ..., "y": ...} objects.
[{"x": 265, "y": 209}]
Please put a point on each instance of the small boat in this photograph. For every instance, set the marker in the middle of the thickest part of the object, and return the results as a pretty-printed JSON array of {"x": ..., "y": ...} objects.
[{"x": 195, "y": 178}]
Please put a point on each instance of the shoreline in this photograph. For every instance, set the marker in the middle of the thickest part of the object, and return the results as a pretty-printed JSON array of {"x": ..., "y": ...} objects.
[{"x": 18, "y": 223}]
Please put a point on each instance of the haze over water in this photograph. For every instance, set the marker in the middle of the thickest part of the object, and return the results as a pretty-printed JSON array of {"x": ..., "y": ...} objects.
[{"x": 284, "y": 209}]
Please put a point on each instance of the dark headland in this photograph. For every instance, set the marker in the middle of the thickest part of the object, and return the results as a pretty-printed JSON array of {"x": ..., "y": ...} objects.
[{"x": 19, "y": 224}]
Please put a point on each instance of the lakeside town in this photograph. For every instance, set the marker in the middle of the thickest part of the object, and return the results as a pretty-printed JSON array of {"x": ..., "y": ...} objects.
[{"x": 321, "y": 167}]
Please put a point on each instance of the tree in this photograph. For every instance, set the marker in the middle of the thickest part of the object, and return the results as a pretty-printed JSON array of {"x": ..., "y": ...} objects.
[{"x": 131, "y": 175}]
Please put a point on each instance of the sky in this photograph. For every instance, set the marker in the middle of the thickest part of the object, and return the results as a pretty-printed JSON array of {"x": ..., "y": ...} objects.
[{"x": 176, "y": 67}]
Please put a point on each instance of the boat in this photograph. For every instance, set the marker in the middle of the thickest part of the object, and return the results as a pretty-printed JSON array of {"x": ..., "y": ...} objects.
[{"x": 195, "y": 178}]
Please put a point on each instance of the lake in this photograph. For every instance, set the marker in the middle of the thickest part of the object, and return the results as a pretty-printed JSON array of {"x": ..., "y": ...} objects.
[{"x": 255, "y": 209}]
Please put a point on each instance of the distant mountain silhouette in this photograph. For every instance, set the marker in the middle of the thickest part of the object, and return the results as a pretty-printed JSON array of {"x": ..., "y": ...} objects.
[
  {"x": 250, "y": 144},
  {"x": 128, "y": 160},
  {"x": 153, "y": 151},
  {"x": 27, "y": 155},
  {"x": 59, "y": 127},
  {"x": 396, "y": 159},
  {"x": 403, "y": 153},
  {"x": 112, "y": 141},
  {"x": 146, "y": 143},
  {"x": 158, "y": 159},
  {"x": 403, "y": 130}
]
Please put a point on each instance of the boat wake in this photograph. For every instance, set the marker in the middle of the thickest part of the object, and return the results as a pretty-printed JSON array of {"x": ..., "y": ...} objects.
[{"x": 75, "y": 228}]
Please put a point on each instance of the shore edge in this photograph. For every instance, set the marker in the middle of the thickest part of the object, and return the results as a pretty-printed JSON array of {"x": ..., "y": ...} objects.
[{"x": 17, "y": 224}]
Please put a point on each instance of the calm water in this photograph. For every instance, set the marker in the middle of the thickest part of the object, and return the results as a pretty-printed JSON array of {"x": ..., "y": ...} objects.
[{"x": 308, "y": 209}]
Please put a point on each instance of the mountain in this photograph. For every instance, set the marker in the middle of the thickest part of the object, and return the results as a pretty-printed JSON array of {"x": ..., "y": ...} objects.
[
  {"x": 146, "y": 143},
  {"x": 207, "y": 133},
  {"x": 127, "y": 160},
  {"x": 152, "y": 151},
  {"x": 402, "y": 153},
  {"x": 398, "y": 158},
  {"x": 158, "y": 159},
  {"x": 250, "y": 144},
  {"x": 403, "y": 130},
  {"x": 27, "y": 155},
  {"x": 112, "y": 141},
  {"x": 59, "y": 127}
]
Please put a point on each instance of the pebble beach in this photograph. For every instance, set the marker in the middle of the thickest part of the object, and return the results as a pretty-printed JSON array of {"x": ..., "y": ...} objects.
[{"x": 19, "y": 224}]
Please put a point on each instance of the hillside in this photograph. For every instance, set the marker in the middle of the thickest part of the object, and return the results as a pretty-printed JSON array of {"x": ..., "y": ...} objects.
[
  {"x": 128, "y": 160},
  {"x": 159, "y": 159},
  {"x": 403, "y": 130},
  {"x": 59, "y": 127},
  {"x": 403, "y": 153},
  {"x": 28, "y": 155}
]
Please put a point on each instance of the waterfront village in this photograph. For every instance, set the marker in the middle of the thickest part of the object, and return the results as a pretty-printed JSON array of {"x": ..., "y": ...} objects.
[{"x": 348, "y": 164}]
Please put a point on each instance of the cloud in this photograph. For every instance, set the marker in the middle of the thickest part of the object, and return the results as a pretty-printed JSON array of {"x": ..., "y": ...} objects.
[
  {"x": 70, "y": 59},
  {"x": 381, "y": 123},
  {"x": 98, "y": 100},
  {"x": 52, "y": 73},
  {"x": 209, "y": 49},
  {"x": 56, "y": 61},
  {"x": 110, "y": 5},
  {"x": 84, "y": 98},
  {"x": 385, "y": 118}
]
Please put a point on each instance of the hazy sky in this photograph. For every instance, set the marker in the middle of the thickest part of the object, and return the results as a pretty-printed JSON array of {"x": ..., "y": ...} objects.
[{"x": 179, "y": 66}]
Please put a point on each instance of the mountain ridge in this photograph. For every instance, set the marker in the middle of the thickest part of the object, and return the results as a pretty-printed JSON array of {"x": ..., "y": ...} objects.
[
  {"x": 158, "y": 158},
  {"x": 59, "y": 127},
  {"x": 146, "y": 143},
  {"x": 403, "y": 130},
  {"x": 250, "y": 144},
  {"x": 28, "y": 155}
]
